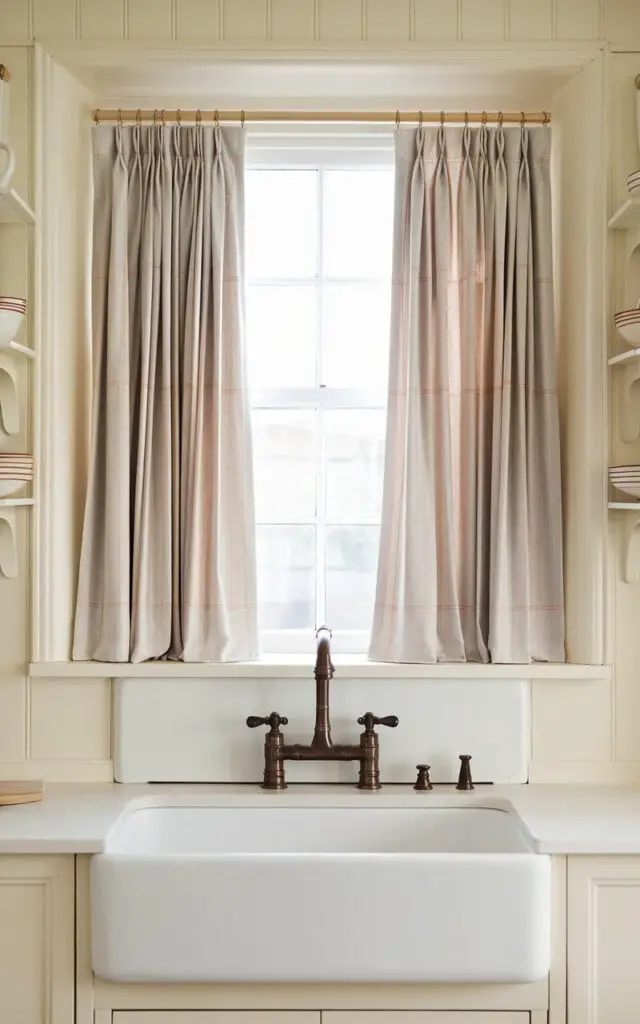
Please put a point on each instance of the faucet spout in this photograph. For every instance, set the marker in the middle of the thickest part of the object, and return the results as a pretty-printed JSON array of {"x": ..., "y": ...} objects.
[{"x": 323, "y": 673}]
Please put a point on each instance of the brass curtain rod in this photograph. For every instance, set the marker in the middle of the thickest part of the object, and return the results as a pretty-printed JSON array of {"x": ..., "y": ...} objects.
[{"x": 322, "y": 117}]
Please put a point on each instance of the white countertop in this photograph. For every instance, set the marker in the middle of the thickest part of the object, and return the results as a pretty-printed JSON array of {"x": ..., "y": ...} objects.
[{"x": 559, "y": 819}]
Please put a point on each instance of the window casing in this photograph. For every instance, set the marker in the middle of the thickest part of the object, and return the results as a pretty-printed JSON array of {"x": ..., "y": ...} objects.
[{"x": 319, "y": 242}]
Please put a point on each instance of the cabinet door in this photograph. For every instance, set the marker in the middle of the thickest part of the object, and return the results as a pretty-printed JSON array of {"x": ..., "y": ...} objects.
[
  {"x": 603, "y": 934},
  {"x": 215, "y": 1017},
  {"x": 429, "y": 1017},
  {"x": 36, "y": 940}
]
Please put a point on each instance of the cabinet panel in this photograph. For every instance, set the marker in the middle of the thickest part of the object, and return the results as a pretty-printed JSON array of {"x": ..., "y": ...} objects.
[
  {"x": 428, "y": 1017},
  {"x": 603, "y": 939},
  {"x": 36, "y": 940},
  {"x": 215, "y": 1017}
]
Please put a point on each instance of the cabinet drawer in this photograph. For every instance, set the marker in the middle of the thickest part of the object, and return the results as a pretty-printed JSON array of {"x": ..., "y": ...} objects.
[{"x": 217, "y": 1017}]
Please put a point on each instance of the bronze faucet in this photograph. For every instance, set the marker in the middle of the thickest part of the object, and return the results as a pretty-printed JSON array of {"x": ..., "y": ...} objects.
[{"x": 321, "y": 748}]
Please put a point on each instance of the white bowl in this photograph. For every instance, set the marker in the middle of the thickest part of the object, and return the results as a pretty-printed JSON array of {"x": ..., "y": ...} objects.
[
  {"x": 8, "y": 487},
  {"x": 9, "y": 325},
  {"x": 630, "y": 332}
]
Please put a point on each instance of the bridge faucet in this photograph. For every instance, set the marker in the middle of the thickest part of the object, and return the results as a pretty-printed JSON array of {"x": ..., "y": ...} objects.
[{"x": 321, "y": 748}]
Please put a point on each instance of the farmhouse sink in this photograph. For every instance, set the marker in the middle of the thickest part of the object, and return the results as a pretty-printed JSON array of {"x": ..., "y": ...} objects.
[{"x": 251, "y": 894}]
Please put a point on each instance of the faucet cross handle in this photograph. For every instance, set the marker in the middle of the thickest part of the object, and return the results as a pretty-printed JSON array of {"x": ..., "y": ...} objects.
[
  {"x": 274, "y": 720},
  {"x": 369, "y": 720}
]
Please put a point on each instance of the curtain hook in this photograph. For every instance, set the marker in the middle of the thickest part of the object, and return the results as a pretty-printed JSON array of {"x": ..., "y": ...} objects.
[
  {"x": 484, "y": 119},
  {"x": 138, "y": 116},
  {"x": 96, "y": 115},
  {"x": 466, "y": 118},
  {"x": 500, "y": 119},
  {"x": 198, "y": 116},
  {"x": 420, "y": 119},
  {"x": 546, "y": 118},
  {"x": 163, "y": 116},
  {"x": 397, "y": 119},
  {"x": 242, "y": 118},
  {"x": 119, "y": 116},
  {"x": 155, "y": 116},
  {"x": 523, "y": 119},
  {"x": 179, "y": 117},
  {"x": 442, "y": 118},
  {"x": 216, "y": 119}
]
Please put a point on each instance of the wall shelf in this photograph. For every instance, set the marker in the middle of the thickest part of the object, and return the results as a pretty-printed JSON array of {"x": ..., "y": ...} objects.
[
  {"x": 627, "y": 216},
  {"x": 16, "y": 502},
  {"x": 13, "y": 209},
  {"x": 28, "y": 353},
  {"x": 622, "y": 358}
]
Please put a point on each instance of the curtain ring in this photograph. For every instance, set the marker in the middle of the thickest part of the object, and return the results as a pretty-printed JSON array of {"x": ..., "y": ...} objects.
[
  {"x": 442, "y": 118},
  {"x": 198, "y": 116},
  {"x": 179, "y": 117},
  {"x": 216, "y": 119},
  {"x": 242, "y": 118},
  {"x": 397, "y": 119},
  {"x": 155, "y": 116},
  {"x": 96, "y": 115},
  {"x": 119, "y": 116},
  {"x": 484, "y": 119},
  {"x": 523, "y": 119},
  {"x": 138, "y": 117},
  {"x": 163, "y": 117},
  {"x": 546, "y": 118},
  {"x": 466, "y": 118},
  {"x": 500, "y": 119},
  {"x": 420, "y": 119}
]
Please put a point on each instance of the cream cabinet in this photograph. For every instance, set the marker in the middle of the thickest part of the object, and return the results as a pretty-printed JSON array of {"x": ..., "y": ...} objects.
[
  {"x": 603, "y": 940},
  {"x": 36, "y": 940}
]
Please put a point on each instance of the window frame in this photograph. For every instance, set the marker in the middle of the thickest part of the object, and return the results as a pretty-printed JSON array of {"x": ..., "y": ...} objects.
[{"x": 322, "y": 148}]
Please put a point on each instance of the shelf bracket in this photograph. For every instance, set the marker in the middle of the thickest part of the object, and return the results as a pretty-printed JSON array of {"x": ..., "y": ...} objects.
[
  {"x": 629, "y": 411},
  {"x": 631, "y": 572},
  {"x": 8, "y": 556},
  {"x": 9, "y": 402}
]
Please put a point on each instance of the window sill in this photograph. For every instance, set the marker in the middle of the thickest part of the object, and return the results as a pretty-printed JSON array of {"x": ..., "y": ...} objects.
[{"x": 296, "y": 667}]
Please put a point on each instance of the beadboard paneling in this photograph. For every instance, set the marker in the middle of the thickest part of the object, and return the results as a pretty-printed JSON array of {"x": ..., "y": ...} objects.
[
  {"x": 198, "y": 21},
  {"x": 293, "y": 20},
  {"x": 580, "y": 19},
  {"x": 340, "y": 21},
  {"x": 54, "y": 19},
  {"x": 383, "y": 25},
  {"x": 245, "y": 20},
  {"x": 435, "y": 21},
  {"x": 14, "y": 19},
  {"x": 100, "y": 20},
  {"x": 150, "y": 19},
  {"x": 483, "y": 20},
  {"x": 530, "y": 20}
]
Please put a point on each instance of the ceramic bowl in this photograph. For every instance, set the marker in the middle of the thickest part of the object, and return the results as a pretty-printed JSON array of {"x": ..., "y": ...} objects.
[
  {"x": 10, "y": 321},
  {"x": 630, "y": 331},
  {"x": 8, "y": 487}
]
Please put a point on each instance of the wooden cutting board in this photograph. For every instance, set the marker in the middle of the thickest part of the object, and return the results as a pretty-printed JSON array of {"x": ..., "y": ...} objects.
[{"x": 21, "y": 791}]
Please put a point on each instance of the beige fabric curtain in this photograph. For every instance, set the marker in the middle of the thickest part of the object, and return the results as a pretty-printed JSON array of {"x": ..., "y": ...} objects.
[
  {"x": 470, "y": 562},
  {"x": 167, "y": 565}
]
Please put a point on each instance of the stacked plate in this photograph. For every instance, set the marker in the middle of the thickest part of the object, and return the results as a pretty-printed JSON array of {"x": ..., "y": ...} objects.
[
  {"x": 16, "y": 471},
  {"x": 626, "y": 479},
  {"x": 12, "y": 311},
  {"x": 633, "y": 182},
  {"x": 628, "y": 323}
]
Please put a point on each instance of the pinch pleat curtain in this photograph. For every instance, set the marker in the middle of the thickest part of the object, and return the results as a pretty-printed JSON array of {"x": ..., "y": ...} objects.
[
  {"x": 167, "y": 566},
  {"x": 470, "y": 565}
]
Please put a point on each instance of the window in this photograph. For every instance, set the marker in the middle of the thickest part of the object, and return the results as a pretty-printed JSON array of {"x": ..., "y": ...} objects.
[{"x": 319, "y": 213}]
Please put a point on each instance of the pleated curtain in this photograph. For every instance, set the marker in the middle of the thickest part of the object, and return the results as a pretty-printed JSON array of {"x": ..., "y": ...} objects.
[
  {"x": 470, "y": 565},
  {"x": 167, "y": 565}
]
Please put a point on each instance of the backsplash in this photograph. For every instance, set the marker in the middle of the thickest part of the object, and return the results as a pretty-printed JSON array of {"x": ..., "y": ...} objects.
[{"x": 193, "y": 730}]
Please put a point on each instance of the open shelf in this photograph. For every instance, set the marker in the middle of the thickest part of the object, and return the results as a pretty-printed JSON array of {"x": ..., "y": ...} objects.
[
  {"x": 623, "y": 357},
  {"x": 13, "y": 209},
  {"x": 628, "y": 216},
  {"x": 625, "y": 506},
  {"x": 16, "y": 502},
  {"x": 28, "y": 353}
]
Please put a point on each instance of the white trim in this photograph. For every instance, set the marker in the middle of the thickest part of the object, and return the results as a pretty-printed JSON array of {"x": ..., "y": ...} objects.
[{"x": 295, "y": 667}]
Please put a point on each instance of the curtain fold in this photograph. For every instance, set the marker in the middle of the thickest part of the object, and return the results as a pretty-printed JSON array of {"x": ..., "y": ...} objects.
[
  {"x": 470, "y": 565},
  {"x": 167, "y": 565}
]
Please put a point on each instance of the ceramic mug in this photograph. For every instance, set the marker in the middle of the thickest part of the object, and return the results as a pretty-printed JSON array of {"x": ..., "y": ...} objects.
[{"x": 7, "y": 174}]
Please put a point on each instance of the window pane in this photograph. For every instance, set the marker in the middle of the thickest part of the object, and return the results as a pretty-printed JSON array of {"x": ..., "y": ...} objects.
[
  {"x": 354, "y": 442},
  {"x": 356, "y": 336},
  {"x": 285, "y": 450},
  {"x": 286, "y": 577},
  {"x": 358, "y": 223},
  {"x": 352, "y": 559},
  {"x": 282, "y": 223},
  {"x": 282, "y": 324}
]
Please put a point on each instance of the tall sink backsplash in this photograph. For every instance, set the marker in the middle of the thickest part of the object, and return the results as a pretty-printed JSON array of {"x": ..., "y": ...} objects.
[{"x": 193, "y": 730}]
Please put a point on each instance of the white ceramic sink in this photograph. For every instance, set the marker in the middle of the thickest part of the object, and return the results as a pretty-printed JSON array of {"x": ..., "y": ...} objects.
[{"x": 320, "y": 894}]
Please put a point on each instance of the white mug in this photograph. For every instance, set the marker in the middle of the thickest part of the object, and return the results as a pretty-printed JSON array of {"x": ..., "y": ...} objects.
[{"x": 7, "y": 174}]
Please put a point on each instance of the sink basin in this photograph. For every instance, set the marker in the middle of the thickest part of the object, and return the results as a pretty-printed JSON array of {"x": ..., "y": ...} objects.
[{"x": 255, "y": 894}]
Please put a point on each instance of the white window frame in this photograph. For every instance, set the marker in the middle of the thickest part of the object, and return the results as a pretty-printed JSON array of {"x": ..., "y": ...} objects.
[{"x": 319, "y": 147}]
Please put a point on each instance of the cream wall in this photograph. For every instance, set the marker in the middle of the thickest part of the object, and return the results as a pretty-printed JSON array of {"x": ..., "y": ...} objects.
[{"x": 581, "y": 731}]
